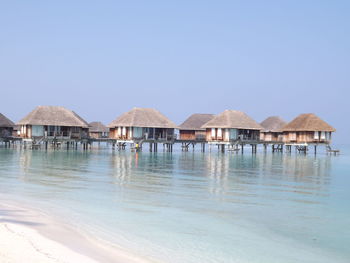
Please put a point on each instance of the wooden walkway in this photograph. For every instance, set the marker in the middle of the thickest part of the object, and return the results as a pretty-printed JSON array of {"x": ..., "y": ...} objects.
[{"x": 138, "y": 145}]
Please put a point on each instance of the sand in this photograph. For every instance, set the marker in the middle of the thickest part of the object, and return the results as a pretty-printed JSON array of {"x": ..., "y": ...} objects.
[
  {"x": 30, "y": 236},
  {"x": 20, "y": 244}
]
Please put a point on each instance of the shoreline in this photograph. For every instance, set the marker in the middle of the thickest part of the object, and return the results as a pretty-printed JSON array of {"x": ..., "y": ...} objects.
[{"x": 41, "y": 238}]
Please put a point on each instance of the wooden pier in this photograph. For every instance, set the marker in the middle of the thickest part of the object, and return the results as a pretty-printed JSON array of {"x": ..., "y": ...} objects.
[{"x": 167, "y": 146}]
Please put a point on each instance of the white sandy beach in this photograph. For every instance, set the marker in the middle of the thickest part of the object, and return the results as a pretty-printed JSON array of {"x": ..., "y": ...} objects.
[
  {"x": 20, "y": 244},
  {"x": 31, "y": 237}
]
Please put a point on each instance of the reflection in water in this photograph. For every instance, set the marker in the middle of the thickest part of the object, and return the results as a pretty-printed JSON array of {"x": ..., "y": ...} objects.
[
  {"x": 231, "y": 177},
  {"x": 224, "y": 173},
  {"x": 61, "y": 169},
  {"x": 188, "y": 206}
]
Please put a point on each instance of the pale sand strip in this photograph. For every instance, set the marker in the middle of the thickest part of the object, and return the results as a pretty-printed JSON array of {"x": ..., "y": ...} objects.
[
  {"x": 19, "y": 244},
  {"x": 30, "y": 236}
]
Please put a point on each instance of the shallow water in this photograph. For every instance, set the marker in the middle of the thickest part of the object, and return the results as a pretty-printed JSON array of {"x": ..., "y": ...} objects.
[{"x": 193, "y": 207}]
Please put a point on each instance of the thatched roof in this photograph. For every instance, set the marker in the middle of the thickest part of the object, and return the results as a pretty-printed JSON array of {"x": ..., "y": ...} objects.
[
  {"x": 142, "y": 117},
  {"x": 273, "y": 124},
  {"x": 196, "y": 121},
  {"x": 5, "y": 122},
  {"x": 97, "y": 126},
  {"x": 53, "y": 116},
  {"x": 233, "y": 119},
  {"x": 308, "y": 122}
]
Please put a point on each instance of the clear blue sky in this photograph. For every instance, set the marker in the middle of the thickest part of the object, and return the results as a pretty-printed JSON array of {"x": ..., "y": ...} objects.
[{"x": 101, "y": 58}]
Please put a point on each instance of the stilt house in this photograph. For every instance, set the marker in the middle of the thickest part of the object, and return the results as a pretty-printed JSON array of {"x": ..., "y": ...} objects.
[
  {"x": 232, "y": 125},
  {"x": 6, "y": 126},
  {"x": 191, "y": 129},
  {"x": 98, "y": 130},
  {"x": 142, "y": 124},
  {"x": 307, "y": 128},
  {"x": 272, "y": 129},
  {"x": 54, "y": 122}
]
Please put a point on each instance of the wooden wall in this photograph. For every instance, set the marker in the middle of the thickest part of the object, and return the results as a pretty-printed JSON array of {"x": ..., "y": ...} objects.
[
  {"x": 187, "y": 135},
  {"x": 306, "y": 137},
  {"x": 95, "y": 135},
  {"x": 271, "y": 136},
  {"x": 193, "y": 135}
]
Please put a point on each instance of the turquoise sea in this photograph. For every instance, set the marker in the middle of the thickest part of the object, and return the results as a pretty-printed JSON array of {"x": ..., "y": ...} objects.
[{"x": 192, "y": 206}]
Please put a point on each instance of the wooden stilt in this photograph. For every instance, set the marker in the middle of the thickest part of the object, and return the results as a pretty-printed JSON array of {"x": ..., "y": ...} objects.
[
  {"x": 222, "y": 148},
  {"x": 253, "y": 148}
]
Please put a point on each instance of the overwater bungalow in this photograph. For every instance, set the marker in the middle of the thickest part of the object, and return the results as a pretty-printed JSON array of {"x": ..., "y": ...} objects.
[
  {"x": 272, "y": 129},
  {"x": 98, "y": 130},
  {"x": 6, "y": 126},
  {"x": 307, "y": 128},
  {"x": 191, "y": 129},
  {"x": 142, "y": 124},
  {"x": 53, "y": 122},
  {"x": 230, "y": 126}
]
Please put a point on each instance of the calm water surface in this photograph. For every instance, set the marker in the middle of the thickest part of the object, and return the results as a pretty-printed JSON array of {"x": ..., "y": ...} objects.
[{"x": 193, "y": 207}]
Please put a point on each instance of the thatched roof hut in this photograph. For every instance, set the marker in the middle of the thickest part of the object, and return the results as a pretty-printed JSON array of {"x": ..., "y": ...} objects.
[
  {"x": 273, "y": 124},
  {"x": 143, "y": 117},
  {"x": 53, "y": 116},
  {"x": 308, "y": 122},
  {"x": 5, "y": 122},
  {"x": 196, "y": 121},
  {"x": 97, "y": 126},
  {"x": 232, "y": 119}
]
